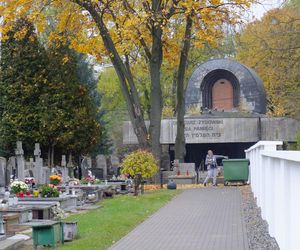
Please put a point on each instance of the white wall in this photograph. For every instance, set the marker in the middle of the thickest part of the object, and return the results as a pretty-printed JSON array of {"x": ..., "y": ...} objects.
[{"x": 275, "y": 182}]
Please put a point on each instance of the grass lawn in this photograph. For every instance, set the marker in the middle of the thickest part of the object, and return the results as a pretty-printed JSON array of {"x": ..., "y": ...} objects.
[{"x": 100, "y": 228}]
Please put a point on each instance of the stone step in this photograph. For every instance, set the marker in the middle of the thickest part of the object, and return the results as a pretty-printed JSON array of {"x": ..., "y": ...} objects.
[{"x": 14, "y": 242}]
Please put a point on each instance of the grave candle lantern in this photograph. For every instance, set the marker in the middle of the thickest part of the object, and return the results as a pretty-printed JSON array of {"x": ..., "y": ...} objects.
[{"x": 36, "y": 193}]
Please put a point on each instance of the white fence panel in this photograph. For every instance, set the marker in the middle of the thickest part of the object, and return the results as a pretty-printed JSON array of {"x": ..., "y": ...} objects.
[{"x": 275, "y": 182}]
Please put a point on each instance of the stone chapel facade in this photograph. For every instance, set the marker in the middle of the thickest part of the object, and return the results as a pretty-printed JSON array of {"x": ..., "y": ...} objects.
[{"x": 225, "y": 106}]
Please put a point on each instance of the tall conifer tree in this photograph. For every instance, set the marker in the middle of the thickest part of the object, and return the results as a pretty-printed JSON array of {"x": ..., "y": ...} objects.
[{"x": 22, "y": 76}]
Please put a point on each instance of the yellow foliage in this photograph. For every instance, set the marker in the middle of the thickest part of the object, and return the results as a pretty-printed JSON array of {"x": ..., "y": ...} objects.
[
  {"x": 129, "y": 25},
  {"x": 271, "y": 46},
  {"x": 168, "y": 112},
  {"x": 140, "y": 162}
]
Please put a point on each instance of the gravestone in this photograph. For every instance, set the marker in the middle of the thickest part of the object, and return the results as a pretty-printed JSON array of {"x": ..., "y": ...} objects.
[
  {"x": 2, "y": 172},
  {"x": 30, "y": 173},
  {"x": 38, "y": 166},
  {"x": 63, "y": 161},
  {"x": 98, "y": 173},
  {"x": 46, "y": 172},
  {"x": 84, "y": 167},
  {"x": 64, "y": 169},
  {"x": 187, "y": 167},
  {"x": 10, "y": 168},
  {"x": 89, "y": 162},
  {"x": 20, "y": 161},
  {"x": 115, "y": 164},
  {"x": 70, "y": 166},
  {"x": 101, "y": 164},
  {"x": 31, "y": 163},
  {"x": 29, "y": 166}
]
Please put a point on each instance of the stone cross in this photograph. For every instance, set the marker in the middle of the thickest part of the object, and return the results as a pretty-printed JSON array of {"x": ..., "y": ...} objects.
[
  {"x": 63, "y": 161},
  {"x": 20, "y": 161},
  {"x": 37, "y": 150},
  {"x": 38, "y": 170}
]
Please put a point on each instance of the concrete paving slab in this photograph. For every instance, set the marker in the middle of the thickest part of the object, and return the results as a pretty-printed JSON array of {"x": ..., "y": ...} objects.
[{"x": 206, "y": 218}]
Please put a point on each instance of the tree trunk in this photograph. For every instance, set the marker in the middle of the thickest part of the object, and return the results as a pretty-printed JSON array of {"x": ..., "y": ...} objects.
[
  {"x": 180, "y": 138},
  {"x": 174, "y": 91},
  {"x": 49, "y": 156},
  {"x": 125, "y": 77},
  {"x": 137, "y": 182},
  {"x": 156, "y": 93},
  {"x": 52, "y": 156}
]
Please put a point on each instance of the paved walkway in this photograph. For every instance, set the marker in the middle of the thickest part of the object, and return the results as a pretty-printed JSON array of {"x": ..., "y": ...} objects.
[{"x": 207, "y": 218}]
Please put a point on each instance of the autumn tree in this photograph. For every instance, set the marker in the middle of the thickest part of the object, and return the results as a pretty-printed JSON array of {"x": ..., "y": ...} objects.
[
  {"x": 68, "y": 114},
  {"x": 293, "y": 4},
  {"x": 298, "y": 141},
  {"x": 42, "y": 99},
  {"x": 128, "y": 30},
  {"x": 140, "y": 165},
  {"x": 271, "y": 46},
  {"x": 23, "y": 72}
]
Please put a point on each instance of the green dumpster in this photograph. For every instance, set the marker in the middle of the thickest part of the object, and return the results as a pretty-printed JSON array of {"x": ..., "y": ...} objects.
[{"x": 235, "y": 170}]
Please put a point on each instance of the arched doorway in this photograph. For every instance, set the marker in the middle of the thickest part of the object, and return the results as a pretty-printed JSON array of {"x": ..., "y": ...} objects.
[
  {"x": 215, "y": 79},
  {"x": 222, "y": 95}
]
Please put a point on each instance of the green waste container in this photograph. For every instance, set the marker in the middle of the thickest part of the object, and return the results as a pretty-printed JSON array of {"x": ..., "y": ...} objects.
[{"x": 235, "y": 170}]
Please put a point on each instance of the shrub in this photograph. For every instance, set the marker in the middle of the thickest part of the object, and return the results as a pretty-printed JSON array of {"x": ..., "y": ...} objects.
[{"x": 139, "y": 164}]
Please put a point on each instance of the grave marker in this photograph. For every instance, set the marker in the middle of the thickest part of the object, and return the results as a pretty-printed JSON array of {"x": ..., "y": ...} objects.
[
  {"x": 20, "y": 161},
  {"x": 101, "y": 164},
  {"x": 2, "y": 171}
]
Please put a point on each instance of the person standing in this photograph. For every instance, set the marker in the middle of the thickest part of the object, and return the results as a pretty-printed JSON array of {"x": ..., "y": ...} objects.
[{"x": 211, "y": 163}]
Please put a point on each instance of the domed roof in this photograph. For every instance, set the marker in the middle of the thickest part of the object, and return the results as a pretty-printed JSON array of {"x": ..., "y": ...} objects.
[{"x": 252, "y": 93}]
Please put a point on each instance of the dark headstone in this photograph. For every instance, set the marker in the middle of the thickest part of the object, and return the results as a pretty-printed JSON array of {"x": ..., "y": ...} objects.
[{"x": 98, "y": 172}]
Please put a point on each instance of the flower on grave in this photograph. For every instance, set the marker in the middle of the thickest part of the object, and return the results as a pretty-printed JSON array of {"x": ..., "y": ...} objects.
[
  {"x": 74, "y": 182},
  {"x": 29, "y": 180},
  {"x": 49, "y": 190},
  {"x": 58, "y": 213},
  {"x": 88, "y": 179},
  {"x": 55, "y": 179},
  {"x": 18, "y": 186}
]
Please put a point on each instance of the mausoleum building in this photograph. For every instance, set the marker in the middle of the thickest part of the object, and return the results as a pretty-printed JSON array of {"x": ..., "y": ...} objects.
[{"x": 225, "y": 106}]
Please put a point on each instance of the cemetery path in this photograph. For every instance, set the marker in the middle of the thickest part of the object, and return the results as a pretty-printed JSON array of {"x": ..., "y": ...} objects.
[{"x": 206, "y": 218}]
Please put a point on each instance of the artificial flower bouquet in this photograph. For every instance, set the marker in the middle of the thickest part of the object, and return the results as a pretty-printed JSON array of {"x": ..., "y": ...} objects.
[
  {"x": 49, "y": 190},
  {"x": 18, "y": 187},
  {"x": 88, "y": 179},
  {"x": 55, "y": 179}
]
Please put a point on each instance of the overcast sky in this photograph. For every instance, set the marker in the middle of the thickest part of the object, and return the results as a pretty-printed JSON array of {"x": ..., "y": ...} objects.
[{"x": 259, "y": 9}]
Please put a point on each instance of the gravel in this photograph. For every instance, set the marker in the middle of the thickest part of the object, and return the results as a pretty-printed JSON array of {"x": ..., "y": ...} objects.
[{"x": 257, "y": 228}]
